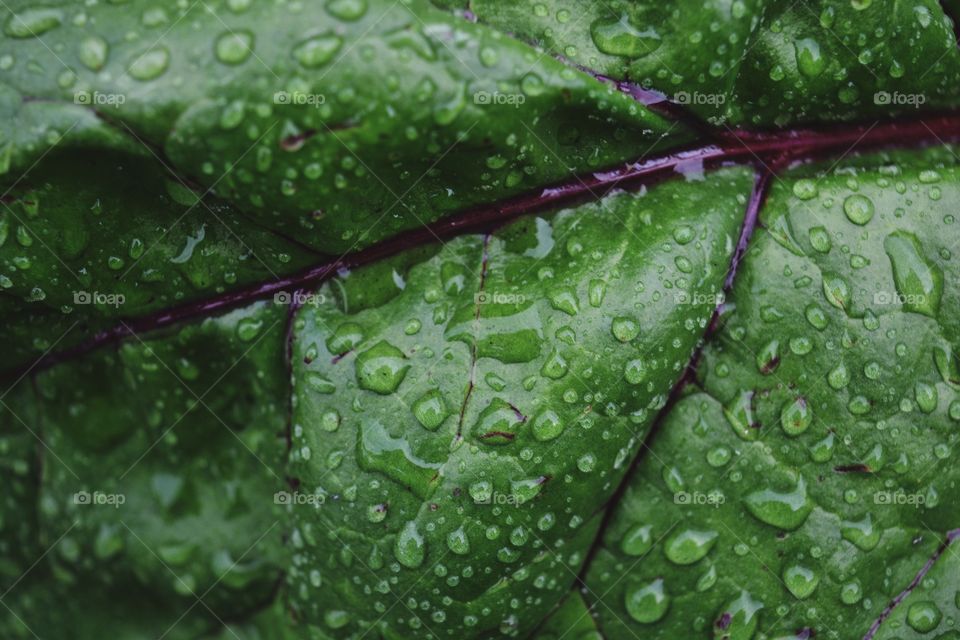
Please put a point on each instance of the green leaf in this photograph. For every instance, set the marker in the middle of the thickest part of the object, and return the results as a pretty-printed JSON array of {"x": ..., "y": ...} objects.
[
  {"x": 842, "y": 489},
  {"x": 371, "y": 319},
  {"x": 472, "y": 424},
  {"x": 341, "y": 124},
  {"x": 751, "y": 61}
]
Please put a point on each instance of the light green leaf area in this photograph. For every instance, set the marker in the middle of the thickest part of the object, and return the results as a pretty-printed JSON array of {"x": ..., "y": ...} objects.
[
  {"x": 454, "y": 443},
  {"x": 808, "y": 477}
]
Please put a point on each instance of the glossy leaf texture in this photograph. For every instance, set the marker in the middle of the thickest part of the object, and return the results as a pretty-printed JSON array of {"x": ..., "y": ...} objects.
[
  {"x": 138, "y": 480},
  {"x": 339, "y": 122},
  {"x": 454, "y": 439},
  {"x": 360, "y": 319},
  {"x": 753, "y": 62},
  {"x": 804, "y": 482}
]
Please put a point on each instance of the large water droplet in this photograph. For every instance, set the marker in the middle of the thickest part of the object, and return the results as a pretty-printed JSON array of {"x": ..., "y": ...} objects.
[
  {"x": 924, "y": 616},
  {"x": 410, "y": 548},
  {"x": 862, "y": 533},
  {"x": 93, "y": 52},
  {"x": 431, "y": 410},
  {"x": 150, "y": 64},
  {"x": 687, "y": 547},
  {"x": 800, "y": 581},
  {"x": 795, "y": 417},
  {"x": 498, "y": 423},
  {"x": 809, "y": 59},
  {"x": 317, "y": 51},
  {"x": 234, "y": 47},
  {"x": 919, "y": 282},
  {"x": 381, "y": 368},
  {"x": 619, "y": 37},
  {"x": 31, "y": 23},
  {"x": 738, "y": 620},
  {"x": 859, "y": 209},
  {"x": 637, "y": 540},
  {"x": 785, "y": 510},
  {"x": 647, "y": 603}
]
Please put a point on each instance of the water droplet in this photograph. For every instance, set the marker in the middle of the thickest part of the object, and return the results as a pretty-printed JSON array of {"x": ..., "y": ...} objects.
[
  {"x": 498, "y": 423},
  {"x": 345, "y": 338},
  {"x": 348, "y": 10},
  {"x": 836, "y": 290},
  {"x": 648, "y": 603},
  {"x": 458, "y": 542},
  {"x": 410, "y": 548},
  {"x": 249, "y": 328},
  {"x": 317, "y": 51},
  {"x": 861, "y": 533},
  {"x": 31, "y": 23},
  {"x": 565, "y": 299},
  {"x": 621, "y": 38},
  {"x": 820, "y": 239},
  {"x": 431, "y": 410},
  {"x": 234, "y": 47},
  {"x": 624, "y": 329},
  {"x": 785, "y": 510},
  {"x": 859, "y": 209},
  {"x": 635, "y": 371},
  {"x": 809, "y": 59},
  {"x": 795, "y": 416},
  {"x": 93, "y": 52},
  {"x": 739, "y": 414},
  {"x": 738, "y": 620},
  {"x": 381, "y": 368},
  {"x": 547, "y": 426},
  {"x": 150, "y": 64},
  {"x": 637, "y": 540},
  {"x": 687, "y": 547},
  {"x": 555, "y": 366},
  {"x": 923, "y": 616},
  {"x": 800, "y": 581},
  {"x": 919, "y": 283}
]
